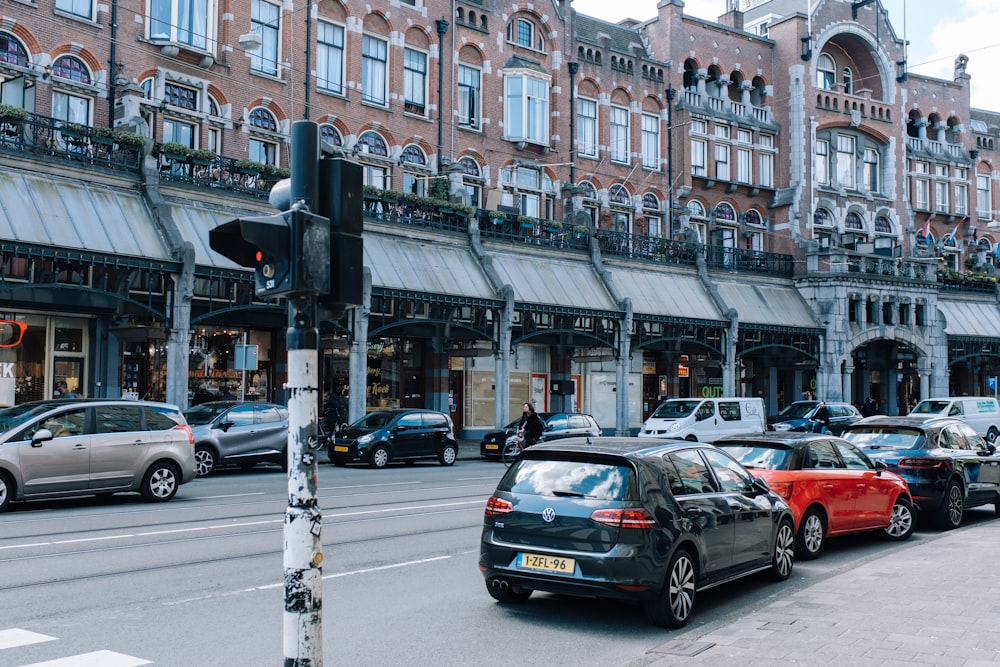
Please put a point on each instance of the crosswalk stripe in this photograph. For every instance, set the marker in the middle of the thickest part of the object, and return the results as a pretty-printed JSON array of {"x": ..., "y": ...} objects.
[
  {"x": 95, "y": 659},
  {"x": 15, "y": 637}
]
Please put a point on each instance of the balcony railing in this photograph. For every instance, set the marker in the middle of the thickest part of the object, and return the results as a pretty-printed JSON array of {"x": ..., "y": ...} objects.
[
  {"x": 500, "y": 226},
  {"x": 48, "y": 138},
  {"x": 683, "y": 253},
  {"x": 398, "y": 208},
  {"x": 750, "y": 261},
  {"x": 225, "y": 173}
]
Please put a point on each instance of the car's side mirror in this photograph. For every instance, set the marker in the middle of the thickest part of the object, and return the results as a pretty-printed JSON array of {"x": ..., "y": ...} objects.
[
  {"x": 879, "y": 467},
  {"x": 40, "y": 436},
  {"x": 760, "y": 485},
  {"x": 225, "y": 426}
]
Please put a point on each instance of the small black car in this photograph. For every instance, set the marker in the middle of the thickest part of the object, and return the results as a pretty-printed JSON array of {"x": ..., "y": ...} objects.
[
  {"x": 557, "y": 425},
  {"x": 384, "y": 436},
  {"x": 796, "y": 417},
  {"x": 652, "y": 521}
]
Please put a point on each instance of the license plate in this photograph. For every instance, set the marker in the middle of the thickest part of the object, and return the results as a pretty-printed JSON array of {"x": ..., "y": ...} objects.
[
  {"x": 341, "y": 448},
  {"x": 555, "y": 564},
  {"x": 488, "y": 446}
]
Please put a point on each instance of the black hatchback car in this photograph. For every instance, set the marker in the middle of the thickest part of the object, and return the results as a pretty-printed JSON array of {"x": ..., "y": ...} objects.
[
  {"x": 947, "y": 465},
  {"x": 557, "y": 425},
  {"x": 651, "y": 521},
  {"x": 796, "y": 417},
  {"x": 385, "y": 436}
]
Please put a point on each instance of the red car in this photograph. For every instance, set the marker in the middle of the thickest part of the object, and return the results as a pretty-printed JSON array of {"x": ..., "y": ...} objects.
[{"x": 831, "y": 486}]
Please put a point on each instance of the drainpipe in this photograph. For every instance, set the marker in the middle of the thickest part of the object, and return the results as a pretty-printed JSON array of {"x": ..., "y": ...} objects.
[
  {"x": 574, "y": 67},
  {"x": 308, "y": 77},
  {"x": 113, "y": 69},
  {"x": 442, "y": 29},
  {"x": 671, "y": 94}
]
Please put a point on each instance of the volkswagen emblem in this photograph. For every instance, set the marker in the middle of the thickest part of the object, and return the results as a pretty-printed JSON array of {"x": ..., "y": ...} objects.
[{"x": 549, "y": 515}]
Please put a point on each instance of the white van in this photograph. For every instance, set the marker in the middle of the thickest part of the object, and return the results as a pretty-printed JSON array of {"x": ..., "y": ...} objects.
[
  {"x": 980, "y": 412},
  {"x": 705, "y": 419}
]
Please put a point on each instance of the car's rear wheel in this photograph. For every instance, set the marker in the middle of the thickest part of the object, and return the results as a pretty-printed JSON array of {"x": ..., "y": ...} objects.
[
  {"x": 379, "y": 457},
  {"x": 784, "y": 552},
  {"x": 6, "y": 490},
  {"x": 448, "y": 455},
  {"x": 673, "y": 607},
  {"x": 812, "y": 535},
  {"x": 160, "y": 482},
  {"x": 949, "y": 515},
  {"x": 204, "y": 460},
  {"x": 901, "y": 523},
  {"x": 503, "y": 590}
]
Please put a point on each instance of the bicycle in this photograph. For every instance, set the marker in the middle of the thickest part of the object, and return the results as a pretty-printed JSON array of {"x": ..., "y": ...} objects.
[{"x": 512, "y": 448}]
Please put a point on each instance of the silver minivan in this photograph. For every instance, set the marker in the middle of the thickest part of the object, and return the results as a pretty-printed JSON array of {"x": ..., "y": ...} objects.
[{"x": 77, "y": 447}]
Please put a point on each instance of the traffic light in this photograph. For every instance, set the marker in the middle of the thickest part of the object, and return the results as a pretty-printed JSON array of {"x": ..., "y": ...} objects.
[
  {"x": 290, "y": 251},
  {"x": 341, "y": 200}
]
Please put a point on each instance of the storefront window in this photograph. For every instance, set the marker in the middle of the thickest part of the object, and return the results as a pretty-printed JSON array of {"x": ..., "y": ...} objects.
[{"x": 230, "y": 363}]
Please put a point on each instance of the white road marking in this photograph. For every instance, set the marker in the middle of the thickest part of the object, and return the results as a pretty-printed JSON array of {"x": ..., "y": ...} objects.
[
  {"x": 14, "y": 637},
  {"x": 94, "y": 659},
  {"x": 231, "y": 495}
]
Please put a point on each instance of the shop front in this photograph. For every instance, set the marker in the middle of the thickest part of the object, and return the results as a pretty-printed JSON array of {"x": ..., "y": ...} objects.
[
  {"x": 231, "y": 363},
  {"x": 46, "y": 356}
]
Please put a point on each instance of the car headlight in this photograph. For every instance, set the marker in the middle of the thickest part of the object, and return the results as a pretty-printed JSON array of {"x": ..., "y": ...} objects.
[
  {"x": 673, "y": 427},
  {"x": 365, "y": 439},
  {"x": 782, "y": 426}
]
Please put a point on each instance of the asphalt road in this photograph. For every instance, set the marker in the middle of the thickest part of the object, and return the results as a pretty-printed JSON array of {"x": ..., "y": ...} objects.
[{"x": 198, "y": 580}]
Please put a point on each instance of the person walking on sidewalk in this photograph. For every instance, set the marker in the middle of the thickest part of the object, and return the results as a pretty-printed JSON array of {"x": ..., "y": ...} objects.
[{"x": 530, "y": 428}]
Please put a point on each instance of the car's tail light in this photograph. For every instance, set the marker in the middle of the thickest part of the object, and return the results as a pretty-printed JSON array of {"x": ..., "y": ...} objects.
[
  {"x": 921, "y": 463},
  {"x": 497, "y": 506},
  {"x": 783, "y": 489},
  {"x": 625, "y": 518},
  {"x": 185, "y": 427}
]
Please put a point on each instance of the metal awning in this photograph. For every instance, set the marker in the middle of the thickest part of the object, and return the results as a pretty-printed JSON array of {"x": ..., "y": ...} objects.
[
  {"x": 766, "y": 304},
  {"x": 980, "y": 319},
  {"x": 434, "y": 267},
  {"x": 88, "y": 217},
  {"x": 553, "y": 282},
  {"x": 665, "y": 294},
  {"x": 194, "y": 223}
]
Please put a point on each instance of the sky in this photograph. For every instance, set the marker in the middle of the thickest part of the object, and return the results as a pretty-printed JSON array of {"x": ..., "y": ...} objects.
[{"x": 936, "y": 37}]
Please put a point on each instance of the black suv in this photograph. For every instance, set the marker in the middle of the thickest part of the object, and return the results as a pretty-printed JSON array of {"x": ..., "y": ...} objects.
[
  {"x": 796, "y": 417},
  {"x": 557, "y": 425},
  {"x": 623, "y": 518},
  {"x": 383, "y": 436}
]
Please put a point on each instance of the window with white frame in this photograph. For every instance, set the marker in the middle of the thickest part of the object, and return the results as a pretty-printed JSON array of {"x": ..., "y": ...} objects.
[
  {"x": 984, "y": 198},
  {"x": 650, "y": 141},
  {"x": 70, "y": 108},
  {"x": 870, "y": 171},
  {"x": 415, "y": 172},
  {"x": 722, "y": 162},
  {"x": 699, "y": 126},
  {"x": 826, "y": 72},
  {"x": 586, "y": 123},
  {"x": 744, "y": 136},
  {"x": 744, "y": 162},
  {"x": 848, "y": 80},
  {"x": 71, "y": 68},
  {"x": 845, "y": 161},
  {"x": 178, "y": 131},
  {"x": 699, "y": 157},
  {"x": 722, "y": 131},
  {"x": 526, "y": 113},
  {"x": 81, "y": 8},
  {"x": 472, "y": 179},
  {"x": 522, "y": 32},
  {"x": 415, "y": 82},
  {"x": 188, "y": 22},
  {"x": 619, "y": 134},
  {"x": 374, "y": 59},
  {"x": 921, "y": 186},
  {"x": 654, "y": 218},
  {"x": 961, "y": 193},
  {"x": 263, "y": 149},
  {"x": 766, "y": 175},
  {"x": 330, "y": 57},
  {"x": 182, "y": 97},
  {"x": 941, "y": 188},
  {"x": 264, "y": 20},
  {"x": 469, "y": 96}
]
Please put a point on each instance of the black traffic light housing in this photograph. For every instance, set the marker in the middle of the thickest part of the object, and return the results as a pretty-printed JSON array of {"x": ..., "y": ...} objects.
[
  {"x": 341, "y": 199},
  {"x": 290, "y": 251}
]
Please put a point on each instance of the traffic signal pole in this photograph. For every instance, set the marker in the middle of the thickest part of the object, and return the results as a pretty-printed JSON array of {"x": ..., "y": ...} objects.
[{"x": 303, "y": 552}]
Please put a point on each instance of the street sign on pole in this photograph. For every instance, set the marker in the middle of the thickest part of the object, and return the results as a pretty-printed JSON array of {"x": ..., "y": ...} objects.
[{"x": 245, "y": 358}]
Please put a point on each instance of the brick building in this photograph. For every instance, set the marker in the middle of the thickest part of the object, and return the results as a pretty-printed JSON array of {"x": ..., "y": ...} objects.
[{"x": 590, "y": 215}]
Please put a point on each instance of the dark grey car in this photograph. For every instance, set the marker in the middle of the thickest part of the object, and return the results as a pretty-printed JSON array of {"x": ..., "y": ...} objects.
[
  {"x": 384, "y": 436},
  {"x": 654, "y": 521},
  {"x": 241, "y": 433}
]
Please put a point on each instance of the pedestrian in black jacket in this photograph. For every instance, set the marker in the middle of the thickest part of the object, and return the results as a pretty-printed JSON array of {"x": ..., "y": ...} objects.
[
  {"x": 530, "y": 428},
  {"x": 821, "y": 418}
]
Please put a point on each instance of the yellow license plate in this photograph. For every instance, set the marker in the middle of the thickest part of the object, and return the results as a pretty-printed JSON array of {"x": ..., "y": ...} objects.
[
  {"x": 341, "y": 448},
  {"x": 488, "y": 446},
  {"x": 555, "y": 564}
]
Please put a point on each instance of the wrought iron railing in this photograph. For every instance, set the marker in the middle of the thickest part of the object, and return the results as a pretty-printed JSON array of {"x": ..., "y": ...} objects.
[
  {"x": 647, "y": 248},
  {"x": 408, "y": 211},
  {"x": 52, "y": 139},
  {"x": 224, "y": 173},
  {"x": 750, "y": 261},
  {"x": 516, "y": 229}
]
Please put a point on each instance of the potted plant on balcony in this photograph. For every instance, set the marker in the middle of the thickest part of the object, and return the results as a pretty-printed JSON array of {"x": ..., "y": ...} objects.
[
  {"x": 527, "y": 222},
  {"x": 580, "y": 231},
  {"x": 175, "y": 151},
  {"x": 131, "y": 140},
  {"x": 553, "y": 226},
  {"x": 248, "y": 167},
  {"x": 102, "y": 135},
  {"x": 497, "y": 217},
  {"x": 203, "y": 157},
  {"x": 73, "y": 131},
  {"x": 12, "y": 114}
]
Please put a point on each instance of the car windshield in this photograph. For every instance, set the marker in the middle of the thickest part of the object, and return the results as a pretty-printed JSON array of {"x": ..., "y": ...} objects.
[
  {"x": 759, "y": 456},
  {"x": 675, "y": 409},
  {"x": 797, "y": 410},
  {"x": 204, "y": 413},
  {"x": 884, "y": 437},
  {"x": 581, "y": 479},
  {"x": 374, "y": 420},
  {"x": 13, "y": 417},
  {"x": 930, "y": 408}
]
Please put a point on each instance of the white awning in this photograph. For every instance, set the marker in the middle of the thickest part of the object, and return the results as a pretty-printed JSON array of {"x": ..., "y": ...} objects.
[
  {"x": 666, "y": 294},
  {"x": 762, "y": 303},
  {"x": 66, "y": 213},
  {"x": 553, "y": 281},
  {"x": 970, "y": 318},
  {"x": 424, "y": 266},
  {"x": 194, "y": 223}
]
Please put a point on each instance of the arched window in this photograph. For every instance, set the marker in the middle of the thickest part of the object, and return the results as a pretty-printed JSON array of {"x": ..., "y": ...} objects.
[
  {"x": 853, "y": 221},
  {"x": 882, "y": 225},
  {"x": 826, "y": 72},
  {"x": 754, "y": 218},
  {"x": 523, "y": 32},
  {"x": 696, "y": 209},
  {"x": 330, "y": 134},
  {"x": 848, "y": 80},
  {"x": 617, "y": 194},
  {"x": 472, "y": 179},
  {"x": 725, "y": 212},
  {"x": 470, "y": 167},
  {"x": 71, "y": 68},
  {"x": 413, "y": 155},
  {"x": 650, "y": 201},
  {"x": 372, "y": 143},
  {"x": 822, "y": 218},
  {"x": 262, "y": 119},
  {"x": 587, "y": 190},
  {"x": 12, "y": 51}
]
